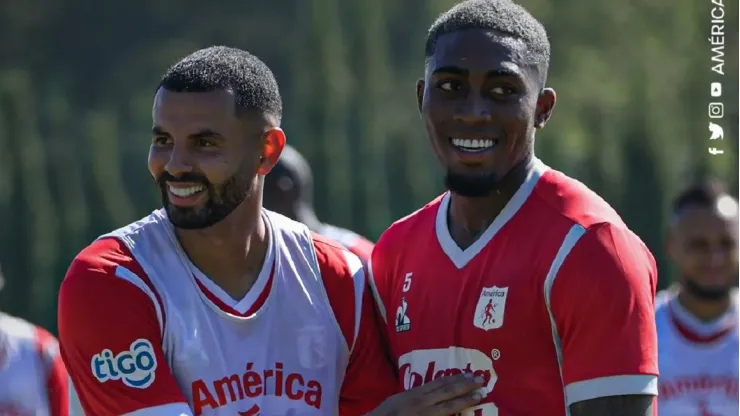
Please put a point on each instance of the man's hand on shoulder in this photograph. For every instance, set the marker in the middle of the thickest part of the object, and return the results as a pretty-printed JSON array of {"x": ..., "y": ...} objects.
[
  {"x": 441, "y": 397},
  {"x": 631, "y": 405}
]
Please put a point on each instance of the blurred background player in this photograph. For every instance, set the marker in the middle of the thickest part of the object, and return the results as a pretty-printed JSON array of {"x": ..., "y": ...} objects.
[
  {"x": 697, "y": 318},
  {"x": 289, "y": 191},
  {"x": 33, "y": 381}
]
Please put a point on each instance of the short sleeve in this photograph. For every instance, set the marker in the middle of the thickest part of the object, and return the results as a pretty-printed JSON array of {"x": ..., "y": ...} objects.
[
  {"x": 370, "y": 377},
  {"x": 600, "y": 294},
  {"x": 110, "y": 335}
]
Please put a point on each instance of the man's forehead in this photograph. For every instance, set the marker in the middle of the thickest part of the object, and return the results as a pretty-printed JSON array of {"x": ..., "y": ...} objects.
[
  {"x": 479, "y": 48},
  {"x": 705, "y": 219},
  {"x": 212, "y": 102}
]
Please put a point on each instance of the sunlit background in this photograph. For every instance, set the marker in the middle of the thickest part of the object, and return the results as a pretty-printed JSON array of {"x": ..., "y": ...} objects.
[{"x": 77, "y": 79}]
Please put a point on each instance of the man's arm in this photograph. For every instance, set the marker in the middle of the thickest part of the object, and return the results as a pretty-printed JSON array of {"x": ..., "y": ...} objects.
[
  {"x": 600, "y": 294},
  {"x": 370, "y": 377},
  {"x": 637, "y": 405},
  {"x": 110, "y": 336}
]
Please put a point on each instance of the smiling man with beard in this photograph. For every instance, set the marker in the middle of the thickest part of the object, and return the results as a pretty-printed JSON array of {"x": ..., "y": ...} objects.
[
  {"x": 698, "y": 318},
  {"x": 213, "y": 305},
  {"x": 518, "y": 273}
]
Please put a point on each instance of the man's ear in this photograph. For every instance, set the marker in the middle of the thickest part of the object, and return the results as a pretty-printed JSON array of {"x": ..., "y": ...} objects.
[
  {"x": 545, "y": 106},
  {"x": 274, "y": 143},
  {"x": 420, "y": 92}
]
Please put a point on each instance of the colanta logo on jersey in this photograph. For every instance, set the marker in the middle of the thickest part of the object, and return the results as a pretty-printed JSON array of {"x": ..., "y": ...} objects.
[
  {"x": 403, "y": 323},
  {"x": 135, "y": 367},
  {"x": 255, "y": 382},
  {"x": 489, "y": 312},
  {"x": 422, "y": 366}
]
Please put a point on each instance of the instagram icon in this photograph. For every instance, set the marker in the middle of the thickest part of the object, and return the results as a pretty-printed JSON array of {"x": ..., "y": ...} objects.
[{"x": 716, "y": 110}]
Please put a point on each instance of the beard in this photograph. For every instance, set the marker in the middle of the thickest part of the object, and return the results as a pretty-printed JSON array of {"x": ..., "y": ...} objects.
[
  {"x": 220, "y": 202},
  {"x": 471, "y": 186},
  {"x": 706, "y": 293}
]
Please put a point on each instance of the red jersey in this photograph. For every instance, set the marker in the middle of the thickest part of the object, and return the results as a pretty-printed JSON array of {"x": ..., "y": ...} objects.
[
  {"x": 143, "y": 331},
  {"x": 552, "y": 305}
]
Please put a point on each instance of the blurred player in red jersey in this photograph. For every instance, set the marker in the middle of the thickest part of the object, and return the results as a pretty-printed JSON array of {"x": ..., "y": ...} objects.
[
  {"x": 33, "y": 381},
  {"x": 518, "y": 273},
  {"x": 213, "y": 305},
  {"x": 289, "y": 191},
  {"x": 697, "y": 319}
]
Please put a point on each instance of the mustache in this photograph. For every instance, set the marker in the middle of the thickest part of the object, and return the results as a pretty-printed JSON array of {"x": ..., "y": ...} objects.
[{"x": 190, "y": 177}]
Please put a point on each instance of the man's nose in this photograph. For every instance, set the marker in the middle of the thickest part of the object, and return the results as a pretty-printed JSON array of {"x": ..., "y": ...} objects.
[
  {"x": 475, "y": 109},
  {"x": 180, "y": 161}
]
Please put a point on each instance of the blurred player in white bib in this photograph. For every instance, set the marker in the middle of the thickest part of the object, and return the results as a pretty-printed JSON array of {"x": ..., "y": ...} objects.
[
  {"x": 697, "y": 319},
  {"x": 33, "y": 381}
]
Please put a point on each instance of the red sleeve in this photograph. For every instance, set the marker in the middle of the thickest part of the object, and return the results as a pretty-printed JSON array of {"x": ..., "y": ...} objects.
[
  {"x": 56, "y": 381},
  {"x": 370, "y": 376},
  {"x": 110, "y": 335},
  {"x": 601, "y": 296}
]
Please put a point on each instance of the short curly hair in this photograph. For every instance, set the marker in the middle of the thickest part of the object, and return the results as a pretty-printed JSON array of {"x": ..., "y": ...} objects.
[
  {"x": 223, "y": 68},
  {"x": 500, "y": 15}
]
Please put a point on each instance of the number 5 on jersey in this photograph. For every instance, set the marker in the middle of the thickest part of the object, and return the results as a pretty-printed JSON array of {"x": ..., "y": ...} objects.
[
  {"x": 407, "y": 282},
  {"x": 403, "y": 323}
]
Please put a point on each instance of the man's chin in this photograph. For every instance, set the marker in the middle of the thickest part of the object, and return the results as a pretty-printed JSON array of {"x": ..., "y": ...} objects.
[
  {"x": 188, "y": 218},
  {"x": 707, "y": 292},
  {"x": 471, "y": 185}
]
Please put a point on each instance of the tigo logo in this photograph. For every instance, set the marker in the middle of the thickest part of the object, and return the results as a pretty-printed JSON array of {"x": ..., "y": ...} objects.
[{"x": 135, "y": 368}]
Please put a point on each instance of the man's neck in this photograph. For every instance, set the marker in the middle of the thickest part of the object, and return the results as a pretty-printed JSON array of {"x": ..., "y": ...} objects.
[
  {"x": 232, "y": 252},
  {"x": 470, "y": 217},
  {"x": 703, "y": 309}
]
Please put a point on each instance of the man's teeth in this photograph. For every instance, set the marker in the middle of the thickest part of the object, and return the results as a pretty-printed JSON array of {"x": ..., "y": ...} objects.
[
  {"x": 185, "y": 192},
  {"x": 474, "y": 145}
]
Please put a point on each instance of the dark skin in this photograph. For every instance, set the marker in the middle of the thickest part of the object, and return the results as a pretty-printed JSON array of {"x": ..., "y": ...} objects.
[
  {"x": 493, "y": 95},
  {"x": 480, "y": 84},
  {"x": 702, "y": 242},
  {"x": 202, "y": 133}
]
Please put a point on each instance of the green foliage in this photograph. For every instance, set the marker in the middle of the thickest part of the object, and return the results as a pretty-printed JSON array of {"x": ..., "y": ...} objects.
[{"x": 76, "y": 84}]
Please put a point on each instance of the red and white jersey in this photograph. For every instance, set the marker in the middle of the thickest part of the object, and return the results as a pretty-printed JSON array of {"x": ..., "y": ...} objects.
[
  {"x": 357, "y": 244},
  {"x": 33, "y": 381},
  {"x": 698, "y": 361},
  {"x": 552, "y": 305},
  {"x": 144, "y": 332}
]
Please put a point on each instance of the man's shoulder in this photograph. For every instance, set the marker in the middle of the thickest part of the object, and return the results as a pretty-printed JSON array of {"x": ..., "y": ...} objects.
[
  {"x": 102, "y": 256},
  {"x": 20, "y": 330},
  {"x": 354, "y": 242},
  {"x": 572, "y": 200},
  {"x": 335, "y": 260},
  {"x": 105, "y": 269},
  {"x": 423, "y": 218}
]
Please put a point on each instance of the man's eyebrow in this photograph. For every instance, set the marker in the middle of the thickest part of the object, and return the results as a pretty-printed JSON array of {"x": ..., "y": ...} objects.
[
  {"x": 158, "y": 131},
  {"x": 503, "y": 72},
  {"x": 500, "y": 72},
  {"x": 206, "y": 133},
  {"x": 451, "y": 70}
]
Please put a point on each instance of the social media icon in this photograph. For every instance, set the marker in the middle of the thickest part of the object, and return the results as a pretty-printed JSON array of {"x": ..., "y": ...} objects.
[
  {"x": 715, "y": 89},
  {"x": 716, "y": 110},
  {"x": 714, "y": 151},
  {"x": 717, "y": 131}
]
